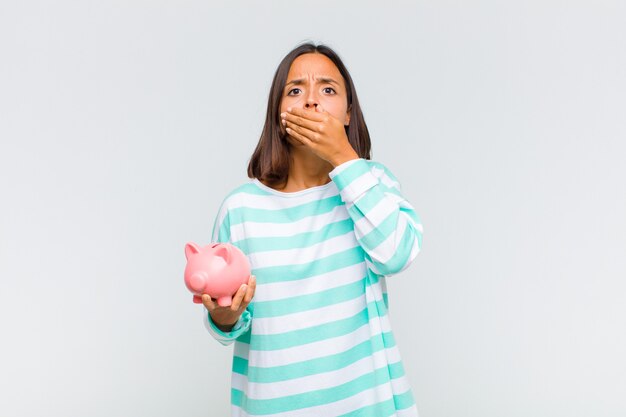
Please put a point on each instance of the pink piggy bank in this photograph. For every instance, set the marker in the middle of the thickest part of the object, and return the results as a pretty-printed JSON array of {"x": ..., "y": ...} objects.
[{"x": 217, "y": 269}]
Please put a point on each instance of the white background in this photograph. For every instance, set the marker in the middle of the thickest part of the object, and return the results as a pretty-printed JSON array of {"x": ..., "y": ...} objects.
[{"x": 123, "y": 124}]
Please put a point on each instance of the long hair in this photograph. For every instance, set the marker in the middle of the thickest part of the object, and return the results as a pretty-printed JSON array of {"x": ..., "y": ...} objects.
[{"x": 271, "y": 158}]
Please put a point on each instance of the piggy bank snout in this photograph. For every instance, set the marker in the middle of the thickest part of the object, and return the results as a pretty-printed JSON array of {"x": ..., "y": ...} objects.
[{"x": 198, "y": 280}]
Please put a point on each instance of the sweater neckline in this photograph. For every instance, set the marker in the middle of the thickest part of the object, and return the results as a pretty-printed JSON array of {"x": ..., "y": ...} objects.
[{"x": 293, "y": 193}]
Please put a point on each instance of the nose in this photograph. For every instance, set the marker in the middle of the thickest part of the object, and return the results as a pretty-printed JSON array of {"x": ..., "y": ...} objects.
[{"x": 311, "y": 100}]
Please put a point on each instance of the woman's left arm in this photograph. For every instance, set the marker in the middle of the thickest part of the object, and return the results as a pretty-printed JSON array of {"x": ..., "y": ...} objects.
[{"x": 385, "y": 224}]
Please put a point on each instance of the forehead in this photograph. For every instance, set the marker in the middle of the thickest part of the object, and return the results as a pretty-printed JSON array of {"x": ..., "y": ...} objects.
[{"x": 314, "y": 65}]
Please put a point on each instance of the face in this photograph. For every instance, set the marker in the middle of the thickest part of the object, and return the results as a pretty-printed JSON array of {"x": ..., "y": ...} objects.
[{"x": 314, "y": 80}]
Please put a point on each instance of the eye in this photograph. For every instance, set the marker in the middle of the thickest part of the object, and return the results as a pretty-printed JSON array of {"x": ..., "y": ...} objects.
[
  {"x": 289, "y": 93},
  {"x": 330, "y": 88}
]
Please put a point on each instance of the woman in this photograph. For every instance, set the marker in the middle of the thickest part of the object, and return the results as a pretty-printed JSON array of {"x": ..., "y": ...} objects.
[{"x": 322, "y": 226}]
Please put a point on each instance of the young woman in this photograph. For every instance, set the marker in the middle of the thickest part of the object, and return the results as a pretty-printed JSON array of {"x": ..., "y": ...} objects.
[{"x": 322, "y": 226}]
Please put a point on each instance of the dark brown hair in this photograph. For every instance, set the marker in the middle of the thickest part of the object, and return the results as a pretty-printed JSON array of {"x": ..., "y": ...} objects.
[{"x": 271, "y": 158}]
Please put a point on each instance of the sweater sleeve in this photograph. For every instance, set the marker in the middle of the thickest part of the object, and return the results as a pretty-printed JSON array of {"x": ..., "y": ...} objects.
[
  {"x": 221, "y": 234},
  {"x": 385, "y": 223}
]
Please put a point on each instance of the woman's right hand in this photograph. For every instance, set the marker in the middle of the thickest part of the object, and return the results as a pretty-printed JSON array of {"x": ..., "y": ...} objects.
[{"x": 226, "y": 317}]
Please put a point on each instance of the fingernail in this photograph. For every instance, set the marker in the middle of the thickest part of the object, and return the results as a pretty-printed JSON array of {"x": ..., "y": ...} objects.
[
  {"x": 288, "y": 108},
  {"x": 283, "y": 114}
]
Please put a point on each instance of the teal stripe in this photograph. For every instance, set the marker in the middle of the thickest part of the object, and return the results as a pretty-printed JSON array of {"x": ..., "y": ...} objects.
[
  {"x": 344, "y": 178},
  {"x": 400, "y": 258},
  {"x": 385, "y": 408},
  {"x": 285, "y": 215},
  {"x": 240, "y": 365},
  {"x": 245, "y": 337},
  {"x": 282, "y": 273},
  {"x": 381, "y": 409},
  {"x": 405, "y": 400},
  {"x": 356, "y": 210},
  {"x": 237, "y": 397},
  {"x": 224, "y": 233},
  {"x": 388, "y": 226},
  {"x": 370, "y": 199},
  {"x": 392, "y": 190},
  {"x": 382, "y": 166},
  {"x": 318, "y": 365},
  {"x": 412, "y": 214},
  {"x": 319, "y": 332},
  {"x": 380, "y": 233},
  {"x": 275, "y": 308},
  {"x": 301, "y": 240},
  {"x": 396, "y": 370},
  {"x": 223, "y": 229},
  {"x": 312, "y": 398}
]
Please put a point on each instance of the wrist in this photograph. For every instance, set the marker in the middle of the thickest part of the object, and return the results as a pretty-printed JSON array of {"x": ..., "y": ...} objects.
[
  {"x": 223, "y": 326},
  {"x": 225, "y": 329},
  {"x": 344, "y": 158}
]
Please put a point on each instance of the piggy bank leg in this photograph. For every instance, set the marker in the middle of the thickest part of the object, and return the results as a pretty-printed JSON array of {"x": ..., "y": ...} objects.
[
  {"x": 225, "y": 301},
  {"x": 197, "y": 299}
]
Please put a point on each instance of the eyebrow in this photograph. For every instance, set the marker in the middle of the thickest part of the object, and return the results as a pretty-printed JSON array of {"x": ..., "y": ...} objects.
[{"x": 321, "y": 80}]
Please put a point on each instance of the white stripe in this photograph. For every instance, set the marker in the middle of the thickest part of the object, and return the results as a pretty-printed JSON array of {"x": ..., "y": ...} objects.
[
  {"x": 321, "y": 348},
  {"x": 414, "y": 251},
  {"x": 256, "y": 201},
  {"x": 241, "y": 349},
  {"x": 386, "y": 180},
  {"x": 357, "y": 184},
  {"x": 311, "y": 285},
  {"x": 269, "y": 390},
  {"x": 298, "y": 256},
  {"x": 395, "y": 198},
  {"x": 342, "y": 167},
  {"x": 388, "y": 247},
  {"x": 375, "y": 216},
  {"x": 311, "y": 318},
  {"x": 251, "y": 229},
  {"x": 217, "y": 225},
  {"x": 205, "y": 319},
  {"x": 365, "y": 398},
  {"x": 383, "y": 209},
  {"x": 400, "y": 385}
]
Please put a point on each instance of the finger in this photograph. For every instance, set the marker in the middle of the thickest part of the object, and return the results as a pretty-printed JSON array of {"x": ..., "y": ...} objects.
[
  {"x": 308, "y": 133},
  {"x": 241, "y": 292},
  {"x": 300, "y": 121},
  {"x": 208, "y": 302},
  {"x": 298, "y": 134},
  {"x": 250, "y": 291},
  {"x": 299, "y": 137}
]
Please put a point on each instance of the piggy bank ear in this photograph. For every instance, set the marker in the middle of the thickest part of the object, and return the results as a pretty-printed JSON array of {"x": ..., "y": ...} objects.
[
  {"x": 223, "y": 251},
  {"x": 191, "y": 249}
]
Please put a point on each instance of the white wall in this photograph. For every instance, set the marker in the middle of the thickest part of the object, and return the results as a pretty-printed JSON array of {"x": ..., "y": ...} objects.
[{"x": 123, "y": 124}]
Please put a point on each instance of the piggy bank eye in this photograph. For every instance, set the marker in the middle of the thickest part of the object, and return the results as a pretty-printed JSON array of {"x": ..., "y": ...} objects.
[{"x": 214, "y": 245}]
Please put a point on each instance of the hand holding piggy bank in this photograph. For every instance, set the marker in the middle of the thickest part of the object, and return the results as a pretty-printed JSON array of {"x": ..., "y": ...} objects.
[{"x": 218, "y": 269}]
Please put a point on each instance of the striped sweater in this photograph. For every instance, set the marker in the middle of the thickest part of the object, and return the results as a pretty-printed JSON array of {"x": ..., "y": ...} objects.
[{"x": 316, "y": 339}]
